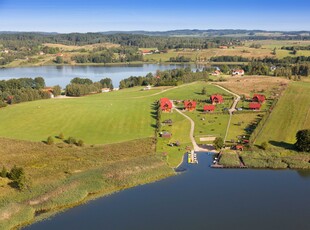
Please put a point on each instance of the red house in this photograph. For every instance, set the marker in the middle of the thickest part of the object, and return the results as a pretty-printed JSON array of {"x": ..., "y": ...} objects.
[
  {"x": 239, "y": 147},
  {"x": 216, "y": 99},
  {"x": 255, "y": 106},
  {"x": 165, "y": 105},
  {"x": 259, "y": 98},
  {"x": 209, "y": 108},
  {"x": 190, "y": 105}
]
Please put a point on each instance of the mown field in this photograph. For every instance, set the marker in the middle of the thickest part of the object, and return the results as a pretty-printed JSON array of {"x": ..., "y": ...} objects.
[
  {"x": 97, "y": 119},
  {"x": 291, "y": 114}
]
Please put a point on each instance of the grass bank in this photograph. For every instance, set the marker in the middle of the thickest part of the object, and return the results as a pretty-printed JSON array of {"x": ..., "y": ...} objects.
[{"x": 62, "y": 176}]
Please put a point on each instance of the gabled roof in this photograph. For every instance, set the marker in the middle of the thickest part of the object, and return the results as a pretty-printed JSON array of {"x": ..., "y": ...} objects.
[
  {"x": 165, "y": 103},
  {"x": 209, "y": 108},
  {"x": 216, "y": 97},
  {"x": 259, "y": 97},
  {"x": 189, "y": 103},
  {"x": 254, "y": 105}
]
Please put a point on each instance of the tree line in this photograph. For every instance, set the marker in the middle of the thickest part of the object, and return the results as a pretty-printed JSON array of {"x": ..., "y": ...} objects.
[
  {"x": 112, "y": 55},
  {"x": 84, "y": 86},
  {"x": 166, "y": 78},
  {"x": 20, "y": 90}
]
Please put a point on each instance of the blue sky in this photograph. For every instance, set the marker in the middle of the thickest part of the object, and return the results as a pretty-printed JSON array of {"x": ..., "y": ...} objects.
[{"x": 154, "y": 15}]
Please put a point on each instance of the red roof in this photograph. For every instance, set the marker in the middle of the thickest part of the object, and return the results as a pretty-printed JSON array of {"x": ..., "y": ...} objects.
[
  {"x": 254, "y": 105},
  {"x": 216, "y": 98},
  {"x": 188, "y": 104},
  {"x": 259, "y": 98},
  {"x": 209, "y": 108},
  {"x": 165, "y": 104},
  {"x": 238, "y": 147}
]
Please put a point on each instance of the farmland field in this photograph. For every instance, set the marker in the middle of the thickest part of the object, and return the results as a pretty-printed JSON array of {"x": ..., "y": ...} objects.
[{"x": 291, "y": 114}]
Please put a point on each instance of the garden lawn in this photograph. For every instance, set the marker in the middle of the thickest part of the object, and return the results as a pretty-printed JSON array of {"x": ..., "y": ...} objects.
[
  {"x": 242, "y": 124},
  {"x": 180, "y": 132}
]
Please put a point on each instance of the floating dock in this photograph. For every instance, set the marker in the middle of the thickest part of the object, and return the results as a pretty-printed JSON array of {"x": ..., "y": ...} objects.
[{"x": 192, "y": 158}]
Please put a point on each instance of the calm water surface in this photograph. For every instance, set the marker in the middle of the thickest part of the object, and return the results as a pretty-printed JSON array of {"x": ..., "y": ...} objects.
[
  {"x": 200, "y": 198},
  {"x": 61, "y": 75}
]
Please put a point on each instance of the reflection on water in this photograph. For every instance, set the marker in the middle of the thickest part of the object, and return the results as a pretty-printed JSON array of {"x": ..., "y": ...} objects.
[
  {"x": 200, "y": 198},
  {"x": 61, "y": 75}
]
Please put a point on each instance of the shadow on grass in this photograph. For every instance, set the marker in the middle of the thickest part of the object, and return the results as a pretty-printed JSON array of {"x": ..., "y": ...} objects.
[{"x": 282, "y": 144}]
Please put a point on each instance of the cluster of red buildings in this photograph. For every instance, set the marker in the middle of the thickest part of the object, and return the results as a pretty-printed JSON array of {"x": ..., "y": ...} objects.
[
  {"x": 190, "y": 105},
  {"x": 257, "y": 101}
]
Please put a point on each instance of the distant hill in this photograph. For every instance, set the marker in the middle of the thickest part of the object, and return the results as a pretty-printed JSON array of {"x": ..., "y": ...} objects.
[
  {"x": 189, "y": 33},
  {"x": 212, "y": 33}
]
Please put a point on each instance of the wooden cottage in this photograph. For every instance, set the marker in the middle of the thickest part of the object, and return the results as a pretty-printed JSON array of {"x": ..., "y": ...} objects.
[
  {"x": 216, "y": 99},
  {"x": 165, "y": 105},
  {"x": 165, "y": 134},
  {"x": 209, "y": 108},
  {"x": 190, "y": 105},
  {"x": 239, "y": 72},
  {"x": 255, "y": 106},
  {"x": 260, "y": 98}
]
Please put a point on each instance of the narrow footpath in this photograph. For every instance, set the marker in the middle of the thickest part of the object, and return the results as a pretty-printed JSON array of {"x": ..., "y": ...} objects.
[
  {"x": 232, "y": 108},
  {"x": 209, "y": 148}
]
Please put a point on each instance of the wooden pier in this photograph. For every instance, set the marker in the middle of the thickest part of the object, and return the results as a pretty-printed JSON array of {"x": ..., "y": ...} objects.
[{"x": 192, "y": 158}]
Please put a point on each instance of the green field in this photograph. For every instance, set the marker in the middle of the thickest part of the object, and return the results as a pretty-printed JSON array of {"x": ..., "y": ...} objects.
[
  {"x": 180, "y": 132},
  {"x": 241, "y": 125},
  {"x": 97, "y": 119},
  {"x": 291, "y": 114}
]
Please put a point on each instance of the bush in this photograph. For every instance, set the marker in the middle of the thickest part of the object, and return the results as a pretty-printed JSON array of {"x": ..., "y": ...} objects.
[
  {"x": 2, "y": 104},
  {"x": 4, "y": 172},
  {"x": 264, "y": 145},
  {"x": 61, "y": 136},
  {"x": 218, "y": 143},
  {"x": 17, "y": 174},
  {"x": 80, "y": 143},
  {"x": 50, "y": 140},
  {"x": 71, "y": 141}
]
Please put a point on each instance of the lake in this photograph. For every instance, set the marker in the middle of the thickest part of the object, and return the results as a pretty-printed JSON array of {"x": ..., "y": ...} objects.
[
  {"x": 61, "y": 75},
  {"x": 200, "y": 198}
]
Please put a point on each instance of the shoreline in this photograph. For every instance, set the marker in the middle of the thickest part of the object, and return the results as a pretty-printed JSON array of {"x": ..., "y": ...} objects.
[
  {"x": 102, "y": 64},
  {"x": 42, "y": 215}
]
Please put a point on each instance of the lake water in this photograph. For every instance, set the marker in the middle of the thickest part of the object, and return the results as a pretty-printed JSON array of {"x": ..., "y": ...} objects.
[
  {"x": 200, "y": 198},
  {"x": 61, "y": 75}
]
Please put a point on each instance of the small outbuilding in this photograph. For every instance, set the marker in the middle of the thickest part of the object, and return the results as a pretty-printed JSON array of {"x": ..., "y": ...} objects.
[
  {"x": 209, "y": 108},
  {"x": 216, "y": 99},
  {"x": 239, "y": 72},
  {"x": 239, "y": 147},
  {"x": 165, "y": 134}
]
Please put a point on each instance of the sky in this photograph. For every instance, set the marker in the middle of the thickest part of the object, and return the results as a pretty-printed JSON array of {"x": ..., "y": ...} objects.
[{"x": 65, "y": 16}]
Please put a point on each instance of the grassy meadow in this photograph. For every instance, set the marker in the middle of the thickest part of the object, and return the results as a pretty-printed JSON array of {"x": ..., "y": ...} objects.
[
  {"x": 61, "y": 176},
  {"x": 96, "y": 119},
  {"x": 291, "y": 114}
]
